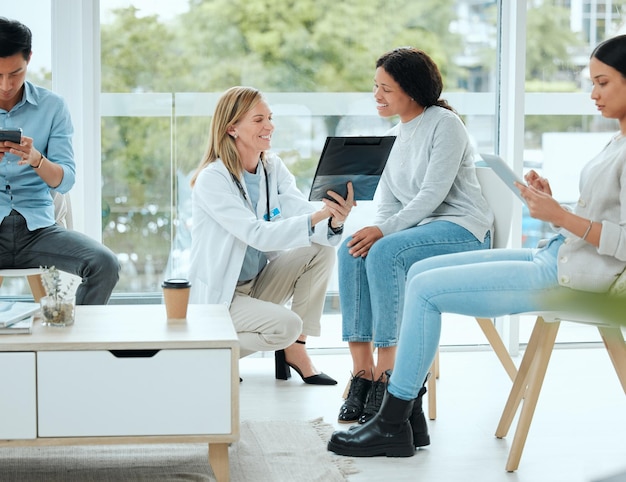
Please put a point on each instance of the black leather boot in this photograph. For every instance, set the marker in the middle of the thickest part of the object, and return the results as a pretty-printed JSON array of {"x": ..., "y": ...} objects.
[
  {"x": 352, "y": 408},
  {"x": 419, "y": 426},
  {"x": 388, "y": 433},
  {"x": 374, "y": 398}
]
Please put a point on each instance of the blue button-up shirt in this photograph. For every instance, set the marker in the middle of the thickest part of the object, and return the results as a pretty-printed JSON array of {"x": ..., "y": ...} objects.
[{"x": 44, "y": 116}]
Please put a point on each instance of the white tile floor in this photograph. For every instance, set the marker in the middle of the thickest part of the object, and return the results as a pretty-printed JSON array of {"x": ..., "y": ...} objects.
[{"x": 578, "y": 432}]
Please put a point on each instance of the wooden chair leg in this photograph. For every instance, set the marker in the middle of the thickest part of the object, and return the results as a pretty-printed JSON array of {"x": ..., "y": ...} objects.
[
  {"x": 614, "y": 342},
  {"x": 535, "y": 381},
  {"x": 431, "y": 387},
  {"x": 347, "y": 389},
  {"x": 36, "y": 287},
  {"x": 521, "y": 380},
  {"x": 488, "y": 328},
  {"x": 498, "y": 346}
]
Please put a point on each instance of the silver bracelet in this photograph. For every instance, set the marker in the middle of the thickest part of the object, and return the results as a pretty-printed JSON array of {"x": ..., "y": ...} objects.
[{"x": 588, "y": 229}]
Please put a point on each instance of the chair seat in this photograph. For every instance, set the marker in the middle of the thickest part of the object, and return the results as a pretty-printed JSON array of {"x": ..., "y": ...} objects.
[
  {"x": 13, "y": 273},
  {"x": 558, "y": 316}
]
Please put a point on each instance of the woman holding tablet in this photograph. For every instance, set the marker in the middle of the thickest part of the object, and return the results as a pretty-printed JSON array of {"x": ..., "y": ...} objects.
[
  {"x": 430, "y": 204},
  {"x": 588, "y": 254}
]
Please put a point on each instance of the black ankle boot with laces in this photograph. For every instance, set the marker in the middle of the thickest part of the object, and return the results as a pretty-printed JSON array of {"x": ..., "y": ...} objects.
[
  {"x": 374, "y": 398},
  {"x": 352, "y": 408}
]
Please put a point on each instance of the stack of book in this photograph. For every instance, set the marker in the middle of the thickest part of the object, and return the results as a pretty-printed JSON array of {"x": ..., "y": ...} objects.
[{"x": 17, "y": 317}]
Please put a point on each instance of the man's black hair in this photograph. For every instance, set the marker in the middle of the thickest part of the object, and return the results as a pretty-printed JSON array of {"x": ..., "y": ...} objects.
[{"x": 15, "y": 37}]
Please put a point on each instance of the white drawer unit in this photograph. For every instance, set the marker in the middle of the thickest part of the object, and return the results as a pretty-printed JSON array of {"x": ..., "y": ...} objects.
[
  {"x": 18, "y": 396},
  {"x": 124, "y": 374},
  {"x": 133, "y": 392}
]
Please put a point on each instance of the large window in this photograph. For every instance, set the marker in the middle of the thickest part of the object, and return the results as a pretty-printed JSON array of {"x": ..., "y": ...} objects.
[
  {"x": 562, "y": 127},
  {"x": 163, "y": 70},
  {"x": 163, "y": 65},
  {"x": 563, "y": 130}
]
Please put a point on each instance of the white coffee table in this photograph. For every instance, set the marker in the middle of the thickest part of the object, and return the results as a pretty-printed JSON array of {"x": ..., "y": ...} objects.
[{"x": 124, "y": 374}]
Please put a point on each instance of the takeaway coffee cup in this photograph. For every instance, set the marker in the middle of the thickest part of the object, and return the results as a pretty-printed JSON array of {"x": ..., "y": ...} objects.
[{"x": 176, "y": 297}]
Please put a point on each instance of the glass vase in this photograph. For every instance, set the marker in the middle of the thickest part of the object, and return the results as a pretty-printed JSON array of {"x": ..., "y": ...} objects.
[{"x": 57, "y": 311}]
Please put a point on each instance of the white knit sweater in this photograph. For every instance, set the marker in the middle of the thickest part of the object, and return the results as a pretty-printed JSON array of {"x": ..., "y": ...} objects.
[{"x": 430, "y": 176}]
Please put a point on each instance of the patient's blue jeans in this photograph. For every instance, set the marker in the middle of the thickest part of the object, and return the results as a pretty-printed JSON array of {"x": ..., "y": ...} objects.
[
  {"x": 485, "y": 284},
  {"x": 371, "y": 289}
]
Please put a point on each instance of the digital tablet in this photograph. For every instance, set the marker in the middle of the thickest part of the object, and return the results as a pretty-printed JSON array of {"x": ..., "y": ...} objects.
[
  {"x": 504, "y": 172},
  {"x": 359, "y": 159}
]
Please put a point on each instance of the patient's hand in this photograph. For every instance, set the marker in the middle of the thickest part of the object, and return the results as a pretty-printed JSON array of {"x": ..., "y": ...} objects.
[{"x": 540, "y": 183}]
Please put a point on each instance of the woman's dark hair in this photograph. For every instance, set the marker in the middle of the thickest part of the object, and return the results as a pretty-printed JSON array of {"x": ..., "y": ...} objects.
[
  {"x": 416, "y": 73},
  {"x": 15, "y": 37},
  {"x": 612, "y": 52}
]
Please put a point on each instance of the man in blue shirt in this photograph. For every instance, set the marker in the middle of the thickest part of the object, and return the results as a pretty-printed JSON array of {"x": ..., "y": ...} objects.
[{"x": 43, "y": 160}]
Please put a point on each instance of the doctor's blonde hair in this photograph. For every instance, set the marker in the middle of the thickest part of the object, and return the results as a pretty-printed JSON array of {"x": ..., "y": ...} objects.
[{"x": 231, "y": 107}]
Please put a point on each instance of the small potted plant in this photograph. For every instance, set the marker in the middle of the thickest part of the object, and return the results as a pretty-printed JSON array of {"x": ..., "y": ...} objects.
[{"x": 57, "y": 307}]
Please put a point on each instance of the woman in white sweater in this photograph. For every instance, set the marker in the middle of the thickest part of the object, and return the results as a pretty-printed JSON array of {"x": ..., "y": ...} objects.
[
  {"x": 430, "y": 204},
  {"x": 588, "y": 255},
  {"x": 257, "y": 242}
]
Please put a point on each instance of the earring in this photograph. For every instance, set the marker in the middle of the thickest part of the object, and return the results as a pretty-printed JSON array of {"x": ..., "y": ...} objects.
[{"x": 235, "y": 135}]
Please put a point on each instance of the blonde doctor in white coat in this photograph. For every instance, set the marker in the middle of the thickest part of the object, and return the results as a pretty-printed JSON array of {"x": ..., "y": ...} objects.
[{"x": 257, "y": 242}]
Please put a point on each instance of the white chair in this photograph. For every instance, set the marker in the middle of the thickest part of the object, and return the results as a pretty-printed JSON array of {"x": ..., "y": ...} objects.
[
  {"x": 63, "y": 217},
  {"x": 500, "y": 198}
]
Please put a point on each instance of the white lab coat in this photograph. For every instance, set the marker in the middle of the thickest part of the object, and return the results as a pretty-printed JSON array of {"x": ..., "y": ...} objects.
[{"x": 224, "y": 225}]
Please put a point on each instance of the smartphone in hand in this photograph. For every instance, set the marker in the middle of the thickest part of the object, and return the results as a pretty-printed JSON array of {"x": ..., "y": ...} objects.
[{"x": 11, "y": 134}]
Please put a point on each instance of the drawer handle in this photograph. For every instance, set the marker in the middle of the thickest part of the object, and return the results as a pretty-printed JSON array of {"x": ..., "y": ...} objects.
[{"x": 134, "y": 353}]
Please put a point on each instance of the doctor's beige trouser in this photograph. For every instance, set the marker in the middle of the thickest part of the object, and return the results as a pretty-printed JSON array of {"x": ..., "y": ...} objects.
[{"x": 258, "y": 311}]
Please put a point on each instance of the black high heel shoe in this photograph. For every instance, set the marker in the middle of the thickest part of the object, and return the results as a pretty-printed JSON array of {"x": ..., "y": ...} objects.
[{"x": 283, "y": 371}]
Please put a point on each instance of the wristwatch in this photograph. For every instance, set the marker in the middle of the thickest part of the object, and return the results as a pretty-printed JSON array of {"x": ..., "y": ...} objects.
[{"x": 337, "y": 230}]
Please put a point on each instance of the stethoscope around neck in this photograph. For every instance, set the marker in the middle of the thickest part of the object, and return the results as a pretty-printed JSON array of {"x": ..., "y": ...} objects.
[{"x": 267, "y": 191}]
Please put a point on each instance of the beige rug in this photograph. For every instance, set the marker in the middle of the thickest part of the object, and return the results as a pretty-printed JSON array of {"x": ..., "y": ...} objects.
[{"x": 268, "y": 451}]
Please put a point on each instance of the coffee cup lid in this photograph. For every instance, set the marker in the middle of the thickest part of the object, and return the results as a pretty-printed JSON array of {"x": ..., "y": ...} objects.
[{"x": 176, "y": 283}]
